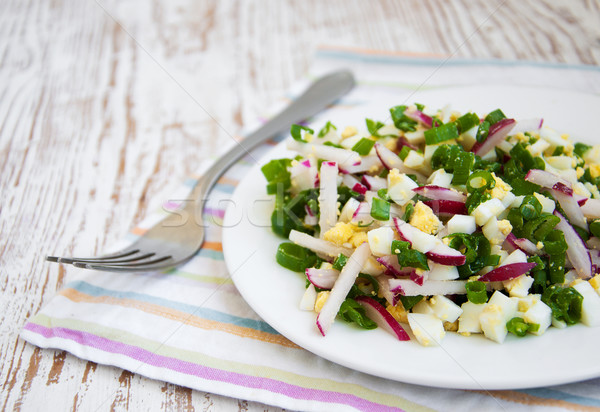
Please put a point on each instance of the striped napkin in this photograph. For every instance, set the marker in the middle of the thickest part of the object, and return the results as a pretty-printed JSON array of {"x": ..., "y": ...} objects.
[{"x": 191, "y": 327}]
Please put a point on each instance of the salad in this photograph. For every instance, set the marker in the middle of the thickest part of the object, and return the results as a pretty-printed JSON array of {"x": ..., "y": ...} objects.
[{"x": 441, "y": 222}]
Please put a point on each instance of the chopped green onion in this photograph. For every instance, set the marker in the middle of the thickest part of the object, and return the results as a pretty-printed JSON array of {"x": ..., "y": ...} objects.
[
  {"x": 372, "y": 281},
  {"x": 296, "y": 132},
  {"x": 373, "y": 127},
  {"x": 408, "y": 257},
  {"x": 408, "y": 211},
  {"x": 565, "y": 303},
  {"x": 363, "y": 146},
  {"x": 595, "y": 228},
  {"x": 383, "y": 194},
  {"x": 462, "y": 167},
  {"x": 352, "y": 312},
  {"x": 333, "y": 145},
  {"x": 530, "y": 208},
  {"x": 380, "y": 209},
  {"x": 482, "y": 131},
  {"x": 277, "y": 175},
  {"x": 326, "y": 129},
  {"x": 520, "y": 153},
  {"x": 537, "y": 229},
  {"x": 340, "y": 262},
  {"x": 555, "y": 244},
  {"x": 581, "y": 148},
  {"x": 495, "y": 116},
  {"x": 466, "y": 122},
  {"x": 479, "y": 181},
  {"x": 404, "y": 152},
  {"x": 401, "y": 121},
  {"x": 517, "y": 326},
  {"x": 409, "y": 301},
  {"x": 294, "y": 257},
  {"x": 476, "y": 292},
  {"x": 556, "y": 268},
  {"x": 441, "y": 133},
  {"x": 558, "y": 151}
]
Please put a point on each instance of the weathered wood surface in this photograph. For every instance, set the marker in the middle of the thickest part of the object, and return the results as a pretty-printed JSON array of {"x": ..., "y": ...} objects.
[{"x": 105, "y": 105}]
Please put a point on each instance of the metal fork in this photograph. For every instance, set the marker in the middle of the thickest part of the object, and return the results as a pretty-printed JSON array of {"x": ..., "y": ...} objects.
[{"x": 180, "y": 235}]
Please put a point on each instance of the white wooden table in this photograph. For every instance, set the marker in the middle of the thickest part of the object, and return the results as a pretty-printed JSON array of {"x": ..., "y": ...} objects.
[{"x": 106, "y": 105}]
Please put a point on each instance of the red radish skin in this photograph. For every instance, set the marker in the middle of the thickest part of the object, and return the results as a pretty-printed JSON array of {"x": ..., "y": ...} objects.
[
  {"x": 498, "y": 131},
  {"x": 545, "y": 179},
  {"x": 440, "y": 193},
  {"x": 322, "y": 278},
  {"x": 523, "y": 244},
  {"x": 376, "y": 312},
  {"x": 447, "y": 207},
  {"x": 445, "y": 255},
  {"x": 507, "y": 272}
]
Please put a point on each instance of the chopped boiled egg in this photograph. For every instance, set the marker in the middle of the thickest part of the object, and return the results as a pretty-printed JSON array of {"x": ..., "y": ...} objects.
[
  {"x": 423, "y": 306},
  {"x": 517, "y": 256},
  {"x": 424, "y": 219},
  {"x": 414, "y": 160},
  {"x": 595, "y": 282},
  {"x": 468, "y": 321},
  {"x": 499, "y": 310},
  {"x": 340, "y": 233},
  {"x": 309, "y": 298},
  {"x": 496, "y": 230},
  {"x": 349, "y": 132},
  {"x": 380, "y": 240},
  {"x": 398, "y": 312},
  {"x": 440, "y": 178},
  {"x": 400, "y": 187},
  {"x": 461, "y": 224},
  {"x": 320, "y": 300},
  {"x": 548, "y": 204},
  {"x": 486, "y": 210},
  {"x": 519, "y": 286},
  {"x": 538, "y": 314},
  {"x": 428, "y": 329},
  {"x": 444, "y": 308},
  {"x": 442, "y": 272}
]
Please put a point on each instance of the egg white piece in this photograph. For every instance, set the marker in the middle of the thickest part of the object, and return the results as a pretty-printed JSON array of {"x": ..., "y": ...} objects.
[
  {"x": 428, "y": 329},
  {"x": 468, "y": 321},
  {"x": 380, "y": 240},
  {"x": 540, "y": 314},
  {"x": 461, "y": 224},
  {"x": 444, "y": 308}
]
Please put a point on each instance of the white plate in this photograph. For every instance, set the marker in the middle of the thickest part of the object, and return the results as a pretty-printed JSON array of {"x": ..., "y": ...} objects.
[{"x": 559, "y": 356}]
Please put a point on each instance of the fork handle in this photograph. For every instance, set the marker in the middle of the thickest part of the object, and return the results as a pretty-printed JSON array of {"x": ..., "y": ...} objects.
[{"x": 315, "y": 98}]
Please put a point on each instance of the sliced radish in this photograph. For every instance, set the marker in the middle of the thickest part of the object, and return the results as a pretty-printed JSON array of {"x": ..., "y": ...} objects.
[
  {"x": 392, "y": 267},
  {"x": 385, "y": 292},
  {"x": 576, "y": 251},
  {"x": 304, "y": 174},
  {"x": 447, "y": 207},
  {"x": 523, "y": 244},
  {"x": 328, "y": 196},
  {"x": 367, "y": 163},
  {"x": 528, "y": 125},
  {"x": 419, "y": 116},
  {"x": 376, "y": 312},
  {"x": 341, "y": 288},
  {"x": 445, "y": 255},
  {"x": 374, "y": 183},
  {"x": 545, "y": 179},
  {"x": 591, "y": 209},
  {"x": 441, "y": 193},
  {"x": 417, "y": 277},
  {"x": 570, "y": 206},
  {"x": 407, "y": 287},
  {"x": 497, "y": 133},
  {"x": 322, "y": 278},
  {"x": 345, "y": 158},
  {"x": 507, "y": 272},
  {"x": 318, "y": 245},
  {"x": 349, "y": 210},
  {"x": 391, "y": 160}
]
